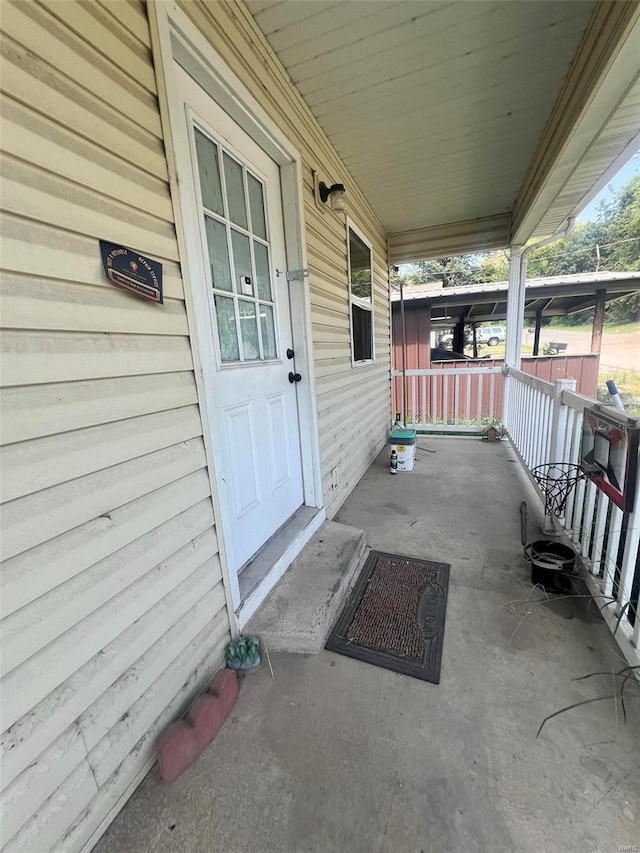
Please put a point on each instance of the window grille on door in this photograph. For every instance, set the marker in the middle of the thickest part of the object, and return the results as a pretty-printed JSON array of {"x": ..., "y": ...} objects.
[{"x": 236, "y": 228}]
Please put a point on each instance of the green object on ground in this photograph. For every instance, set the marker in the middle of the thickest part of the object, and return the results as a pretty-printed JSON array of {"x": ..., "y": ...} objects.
[{"x": 243, "y": 653}]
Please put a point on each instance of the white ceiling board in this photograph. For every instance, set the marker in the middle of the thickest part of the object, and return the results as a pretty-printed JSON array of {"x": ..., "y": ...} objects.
[
  {"x": 257, "y": 6},
  {"x": 274, "y": 16},
  {"x": 448, "y": 121},
  {"x": 412, "y": 158},
  {"x": 454, "y": 119},
  {"x": 328, "y": 28},
  {"x": 466, "y": 77},
  {"x": 384, "y": 63},
  {"x": 389, "y": 26},
  {"x": 436, "y": 108},
  {"x": 450, "y": 52}
]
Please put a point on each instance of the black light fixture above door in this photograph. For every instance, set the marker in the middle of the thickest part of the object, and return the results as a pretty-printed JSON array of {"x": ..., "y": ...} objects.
[{"x": 333, "y": 194}]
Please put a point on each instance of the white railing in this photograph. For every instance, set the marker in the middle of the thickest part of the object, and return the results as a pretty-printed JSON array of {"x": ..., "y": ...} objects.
[
  {"x": 531, "y": 404},
  {"x": 459, "y": 399},
  {"x": 544, "y": 421}
]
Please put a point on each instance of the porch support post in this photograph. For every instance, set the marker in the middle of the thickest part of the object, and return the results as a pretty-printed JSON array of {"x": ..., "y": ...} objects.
[
  {"x": 515, "y": 309},
  {"x": 536, "y": 333},
  {"x": 598, "y": 321},
  {"x": 404, "y": 354},
  {"x": 515, "y": 312},
  {"x": 474, "y": 330}
]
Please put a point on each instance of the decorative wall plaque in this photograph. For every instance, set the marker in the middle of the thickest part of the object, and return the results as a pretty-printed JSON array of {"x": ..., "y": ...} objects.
[{"x": 126, "y": 268}]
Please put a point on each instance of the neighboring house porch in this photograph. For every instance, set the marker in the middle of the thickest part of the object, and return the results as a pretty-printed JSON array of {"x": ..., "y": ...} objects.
[{"x": 470, "y": 396}]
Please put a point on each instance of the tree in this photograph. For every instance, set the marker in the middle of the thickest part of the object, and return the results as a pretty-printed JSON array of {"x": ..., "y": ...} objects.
[
  {"x": 450, "y": 271},
  {"x": 493, "y": 266},
  {"x": 611, "y": 242},
  {"x": 575, "y": 254}
]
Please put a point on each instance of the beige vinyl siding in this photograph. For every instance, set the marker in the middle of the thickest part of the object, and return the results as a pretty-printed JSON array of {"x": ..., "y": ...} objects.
[
  {"x": 113, "y": 607},
  {"x": 353, "y": 402}
]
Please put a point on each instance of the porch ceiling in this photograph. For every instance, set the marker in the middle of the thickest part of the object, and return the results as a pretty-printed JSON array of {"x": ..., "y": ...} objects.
[{"x": 438, "y": 108}]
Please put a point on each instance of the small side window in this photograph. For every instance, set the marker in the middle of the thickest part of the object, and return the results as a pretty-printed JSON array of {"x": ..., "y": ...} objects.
[{"x": 360, "y": 297}]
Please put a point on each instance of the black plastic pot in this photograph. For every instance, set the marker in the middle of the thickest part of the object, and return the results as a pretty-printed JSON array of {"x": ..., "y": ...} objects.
[{"x": 552, "y": 564}]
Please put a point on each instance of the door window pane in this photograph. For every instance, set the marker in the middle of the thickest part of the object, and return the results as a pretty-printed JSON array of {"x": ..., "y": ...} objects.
[
  {"x": 256, "y": 206},
  {"x": 359, "y": 267},
  {"x": 268, "y": 331},
  {"x": 235, "y": 191},
  {"x": 263, "y": 277},
  {"x": 242, "y": 263},
  {"x": 218, "y": 253},
  {"x": 209, "y": 170},
  {"x": 249, "y": 330},
  {"x": 227, "y": 334}
]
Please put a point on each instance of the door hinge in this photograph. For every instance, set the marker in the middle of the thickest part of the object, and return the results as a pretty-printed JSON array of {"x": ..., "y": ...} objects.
[{"x": 297, "y": 275}]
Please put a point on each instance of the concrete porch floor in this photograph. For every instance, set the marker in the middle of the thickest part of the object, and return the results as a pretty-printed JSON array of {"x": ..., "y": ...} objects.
[{"x": 337, "y": 755}]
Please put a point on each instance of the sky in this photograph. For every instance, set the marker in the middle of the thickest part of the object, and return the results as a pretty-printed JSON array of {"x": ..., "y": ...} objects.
[{"x": 625, "y": 174}]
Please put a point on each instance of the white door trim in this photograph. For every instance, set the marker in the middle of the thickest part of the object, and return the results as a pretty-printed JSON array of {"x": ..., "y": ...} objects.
[{"x": 176, "y": 39}]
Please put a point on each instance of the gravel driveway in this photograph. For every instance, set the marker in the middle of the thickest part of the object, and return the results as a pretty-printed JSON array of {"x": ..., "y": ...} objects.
[{"x": 618, "y": 350}]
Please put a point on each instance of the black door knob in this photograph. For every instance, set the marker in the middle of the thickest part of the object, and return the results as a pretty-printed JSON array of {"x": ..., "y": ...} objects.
[{"x": 294, "y": 377}]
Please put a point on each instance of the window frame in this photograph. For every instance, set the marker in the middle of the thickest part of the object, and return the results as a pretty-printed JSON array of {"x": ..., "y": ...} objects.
[{"x": 360, "y": 303}]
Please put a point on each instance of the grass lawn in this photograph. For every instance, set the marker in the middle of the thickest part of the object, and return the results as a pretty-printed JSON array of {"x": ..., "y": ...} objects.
[
  {"x": 494, "y": 352},
  {"x": 628, "y": 385}
]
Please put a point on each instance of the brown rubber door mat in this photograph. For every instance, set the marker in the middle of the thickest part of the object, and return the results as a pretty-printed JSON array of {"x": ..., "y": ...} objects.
[{"x": 394, "y": 617}]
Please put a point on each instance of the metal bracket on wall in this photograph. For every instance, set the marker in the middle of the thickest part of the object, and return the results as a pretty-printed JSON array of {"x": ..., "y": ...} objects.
[{"x": 298, "y": 275}]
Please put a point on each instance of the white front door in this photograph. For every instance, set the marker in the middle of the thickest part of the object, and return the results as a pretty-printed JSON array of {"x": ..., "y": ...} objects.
[{"x": 255, "y": 416}]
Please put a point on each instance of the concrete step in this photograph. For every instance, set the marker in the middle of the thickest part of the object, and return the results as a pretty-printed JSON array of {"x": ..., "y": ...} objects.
[{"x": 298, "y": 613}]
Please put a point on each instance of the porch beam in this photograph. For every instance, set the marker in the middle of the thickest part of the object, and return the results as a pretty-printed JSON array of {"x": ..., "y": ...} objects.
[
  {"x": 452, "y": 238},
  {"x": 603, "y": 70},
  {"x": 583, "y": 304},
  {"x": 598, "y": 321},
  {"x": 529, "y": 317}
]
